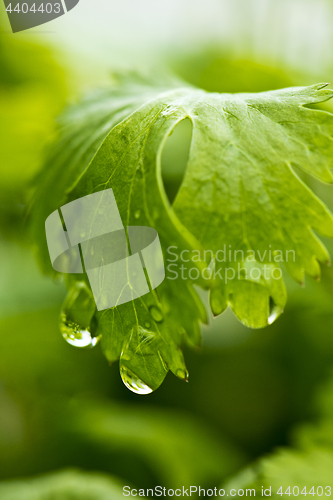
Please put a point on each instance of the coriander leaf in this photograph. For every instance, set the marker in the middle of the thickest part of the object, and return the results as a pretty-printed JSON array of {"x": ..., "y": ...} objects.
[{"x": 240, "y": 194}]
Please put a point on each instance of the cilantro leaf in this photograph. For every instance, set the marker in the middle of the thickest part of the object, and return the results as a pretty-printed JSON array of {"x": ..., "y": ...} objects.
[{"x": 240, "y": 192}]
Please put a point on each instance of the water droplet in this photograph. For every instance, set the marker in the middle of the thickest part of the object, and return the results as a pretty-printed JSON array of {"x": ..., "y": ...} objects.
[
  {"x": 76, "y": 319},
  {"x": 133, "y": 382},
  {"x": 137, "y": 214},
  {"x": 275, "y": 312},
  {"x": 82, "y": 234},
  {"x": 92, "y": 251},
  {"x": 147, "y": 324},
  {"x": 75, "y": 335},
  {"x": 156, "y": 314}
]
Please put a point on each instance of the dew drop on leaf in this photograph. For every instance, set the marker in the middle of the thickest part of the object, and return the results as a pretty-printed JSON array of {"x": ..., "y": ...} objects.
[
  {"x": 137, "y": 214},
  {"x": 275, "y": 312},
  {"x": 75, "y": 335},
  {"x": 76, "y": 317},
  {"x": 132, "y": 381},
  {"x": 274, "y": 315},
  {"x": 156, "y": 314}
]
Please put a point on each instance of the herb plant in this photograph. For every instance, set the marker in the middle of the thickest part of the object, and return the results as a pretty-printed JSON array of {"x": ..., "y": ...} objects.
[{"x": 241, "y": 190}]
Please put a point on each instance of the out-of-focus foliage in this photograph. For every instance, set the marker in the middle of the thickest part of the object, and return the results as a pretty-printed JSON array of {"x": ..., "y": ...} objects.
[
  {"x": 215, "y": 71},
  {"x": 22, "y": 288},
  {"x": 288, "y": 469},
  {"x": 319, "y": 434},
  {"x": 309, "y": 464},
  {"x": 32, "y": 93},
  {"x": 177, "y": 448},
  {"x": 297, "y": 468},
  {"x": 68, "y": 485}
]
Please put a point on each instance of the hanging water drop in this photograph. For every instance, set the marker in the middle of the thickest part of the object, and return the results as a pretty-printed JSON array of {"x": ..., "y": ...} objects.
[
  {"x": 156, "y": 314},
  {"x": 133, "y": 382},
  {"x": 76, "y": 317},
  {"x": 274, "y": 315},
  {"x": 75, "y": 335},
  {"x": 274, "y": 312},
  {"x": 137, "y": 214}
]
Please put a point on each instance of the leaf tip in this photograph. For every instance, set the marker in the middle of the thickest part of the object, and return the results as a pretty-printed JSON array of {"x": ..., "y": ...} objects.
[
  {"x": 320, "y": 93},
  {"x": 320, "y": 86},
  {"x": 183, "y": 374}
]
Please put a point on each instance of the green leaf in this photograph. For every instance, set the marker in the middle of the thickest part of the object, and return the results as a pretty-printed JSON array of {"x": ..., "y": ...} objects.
[
  {"x": 33, "y": 90},
  {"x": 67, "y": 485},
  {"x": 240, "y": 193}
]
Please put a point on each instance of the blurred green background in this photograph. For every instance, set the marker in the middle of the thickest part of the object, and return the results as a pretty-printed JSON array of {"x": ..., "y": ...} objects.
[{"x": 252, "y": 394}]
